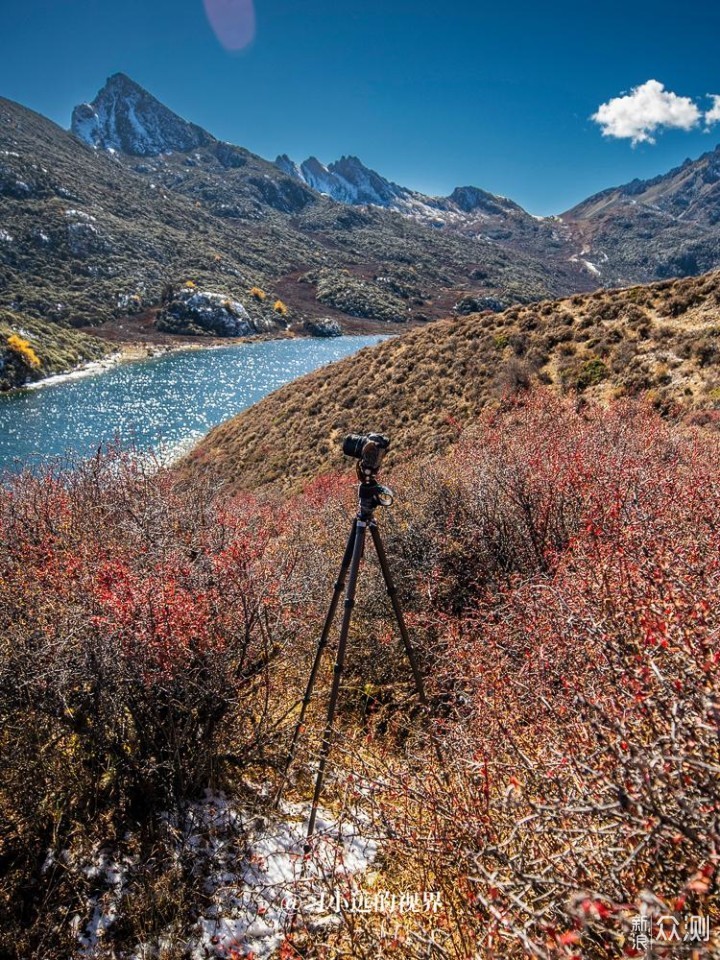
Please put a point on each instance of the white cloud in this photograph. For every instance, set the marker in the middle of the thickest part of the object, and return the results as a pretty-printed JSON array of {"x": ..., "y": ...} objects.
[
  {"x": 637, "y": 115},
  {"x": 713, "y": 114}
]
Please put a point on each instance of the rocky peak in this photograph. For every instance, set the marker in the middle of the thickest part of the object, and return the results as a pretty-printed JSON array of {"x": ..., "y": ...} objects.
[
  {"x": 689, "y": 192},
  {"x": 284, "y": 163},
  {"x": 313, "y": 168},
  {"x": 347, "y": 180},
  {"x": 368, "y": 185},
  {"x": 472, "y": 199},
  {"x": 125, "y": 117}
]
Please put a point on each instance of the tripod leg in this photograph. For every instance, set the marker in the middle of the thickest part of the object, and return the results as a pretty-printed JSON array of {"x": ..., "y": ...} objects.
[
  {"x": 358, "y": 547},
  {"x": 322, "y": 643},
  {"x": 409, "y": 650},
  {"x": 392, "y": 593}
]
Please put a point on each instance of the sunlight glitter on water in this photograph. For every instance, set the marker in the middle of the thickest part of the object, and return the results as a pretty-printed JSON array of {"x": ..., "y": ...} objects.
[{"x": 161, "y": 404}]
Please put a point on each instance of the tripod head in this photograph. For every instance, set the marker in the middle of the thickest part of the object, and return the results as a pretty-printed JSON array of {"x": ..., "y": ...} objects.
[{"x": 369, "y": 450}]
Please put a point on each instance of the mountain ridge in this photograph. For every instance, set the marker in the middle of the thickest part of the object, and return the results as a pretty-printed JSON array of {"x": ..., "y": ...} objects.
[
  {"x": 99, "y": 223},
  {"x": 605, "y": 235},
  {"x": 93, "y": 238},
  {"x": 602, "y": 239}
]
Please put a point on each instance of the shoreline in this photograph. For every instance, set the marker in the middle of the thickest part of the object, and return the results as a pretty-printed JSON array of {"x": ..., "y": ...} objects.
[
  {"x": 126, "y": 353},
  {"x": 159, "y": 408},
  {"x": 132, "y": 351},
  {"x": 134, "y": 339},
  {"x": 129, "y": 352}
]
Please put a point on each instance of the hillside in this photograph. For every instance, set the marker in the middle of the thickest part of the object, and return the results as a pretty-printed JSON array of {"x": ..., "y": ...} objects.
[
  {"x": 86, "y": 239},
  {"x": 649, "y": 229},
  {"x": 24, "y": 360},
  {"x": 659, "y": 340},
  {"x": 560, "y": 571}
]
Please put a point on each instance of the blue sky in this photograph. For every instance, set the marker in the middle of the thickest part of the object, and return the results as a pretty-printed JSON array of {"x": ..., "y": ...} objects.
[{"x": 433, "y": 95}]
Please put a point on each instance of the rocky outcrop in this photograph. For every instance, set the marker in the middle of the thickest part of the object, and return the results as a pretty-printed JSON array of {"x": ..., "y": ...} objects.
[
  {"x": 323, "y": 328},
  {"x": 358, "y": 297},
  {"x": 468, "y": 305},
  {"x": 199, "y": 313}
]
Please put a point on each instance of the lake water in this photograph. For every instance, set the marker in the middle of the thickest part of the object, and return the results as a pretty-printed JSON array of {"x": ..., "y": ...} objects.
[{"x": 163, "y": 404}]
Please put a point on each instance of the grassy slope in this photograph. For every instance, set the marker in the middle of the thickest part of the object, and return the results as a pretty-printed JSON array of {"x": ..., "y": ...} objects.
[{"x": 660, "y": 339}]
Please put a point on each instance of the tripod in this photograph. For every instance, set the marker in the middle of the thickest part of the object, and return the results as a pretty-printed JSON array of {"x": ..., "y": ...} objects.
[{"x": 370, "y": 496}]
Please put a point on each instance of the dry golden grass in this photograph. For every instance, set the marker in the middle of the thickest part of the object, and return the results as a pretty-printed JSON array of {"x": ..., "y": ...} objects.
[{"x": 423, "y": 386}]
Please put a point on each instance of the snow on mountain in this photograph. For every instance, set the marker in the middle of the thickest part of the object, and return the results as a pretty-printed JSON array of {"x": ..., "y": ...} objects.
[
  {"x": 321, "y": 179},
  {"x": 288, "y": 166},
  {"x": 347, "y": 180},
  {"x": 468, "y": 210},
  {"x": 124, "y": 116},
  {"x": 366, "y": 185}
]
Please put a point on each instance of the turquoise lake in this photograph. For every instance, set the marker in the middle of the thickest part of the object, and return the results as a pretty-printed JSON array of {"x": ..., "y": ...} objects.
[{"x": 163, "y": 404}]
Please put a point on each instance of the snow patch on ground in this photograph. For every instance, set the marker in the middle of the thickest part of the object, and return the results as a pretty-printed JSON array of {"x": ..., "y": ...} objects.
[
  {"x": 112, "y": 875},
  {"x": 589, "y": 266},
  {"x": 255, "y": 898},
  {"x": 255, "y": 877},
  {"x": 80, "y": 215}
]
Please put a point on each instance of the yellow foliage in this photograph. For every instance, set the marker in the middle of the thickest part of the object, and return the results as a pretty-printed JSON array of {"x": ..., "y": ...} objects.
[
  {"x": 189, "y": 285},
  {"x": 23, "y": 350},
  {"x": 280, "y": 308},
  {"x": 258, "y": 293}
]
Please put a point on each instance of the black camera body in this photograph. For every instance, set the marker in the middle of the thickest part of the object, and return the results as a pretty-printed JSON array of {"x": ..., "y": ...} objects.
[{"x": 369, "y": 449}]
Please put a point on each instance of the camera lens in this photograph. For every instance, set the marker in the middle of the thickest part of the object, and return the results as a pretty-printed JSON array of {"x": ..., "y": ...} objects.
[{"x": 353, "y": 445}]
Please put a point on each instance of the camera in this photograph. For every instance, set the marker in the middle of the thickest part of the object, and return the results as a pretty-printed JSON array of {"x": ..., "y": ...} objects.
[{"x": 369, "y": 449}]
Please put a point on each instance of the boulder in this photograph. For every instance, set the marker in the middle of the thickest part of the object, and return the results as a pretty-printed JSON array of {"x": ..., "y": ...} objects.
[
  {"x": 199, "y": 312},
  {"x": 323, "y": 328}
]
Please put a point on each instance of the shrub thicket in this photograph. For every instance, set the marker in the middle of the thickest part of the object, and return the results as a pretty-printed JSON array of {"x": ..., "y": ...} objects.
[{"x": 561, "y": 576}]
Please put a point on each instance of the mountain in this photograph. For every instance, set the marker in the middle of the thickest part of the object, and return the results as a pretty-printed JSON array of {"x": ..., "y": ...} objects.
[
  {"x": 347, "y": 180},
  {"x": 124, "y": 116},
  {"x": 103, "y": 225},
  {"x": 636, "y": 233},
  {"x": 90, "y": 236},
  {"x": 420, "y": 389},
  {"x": 468, "y": 211},
  {"x": 646, "y": 229}
]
